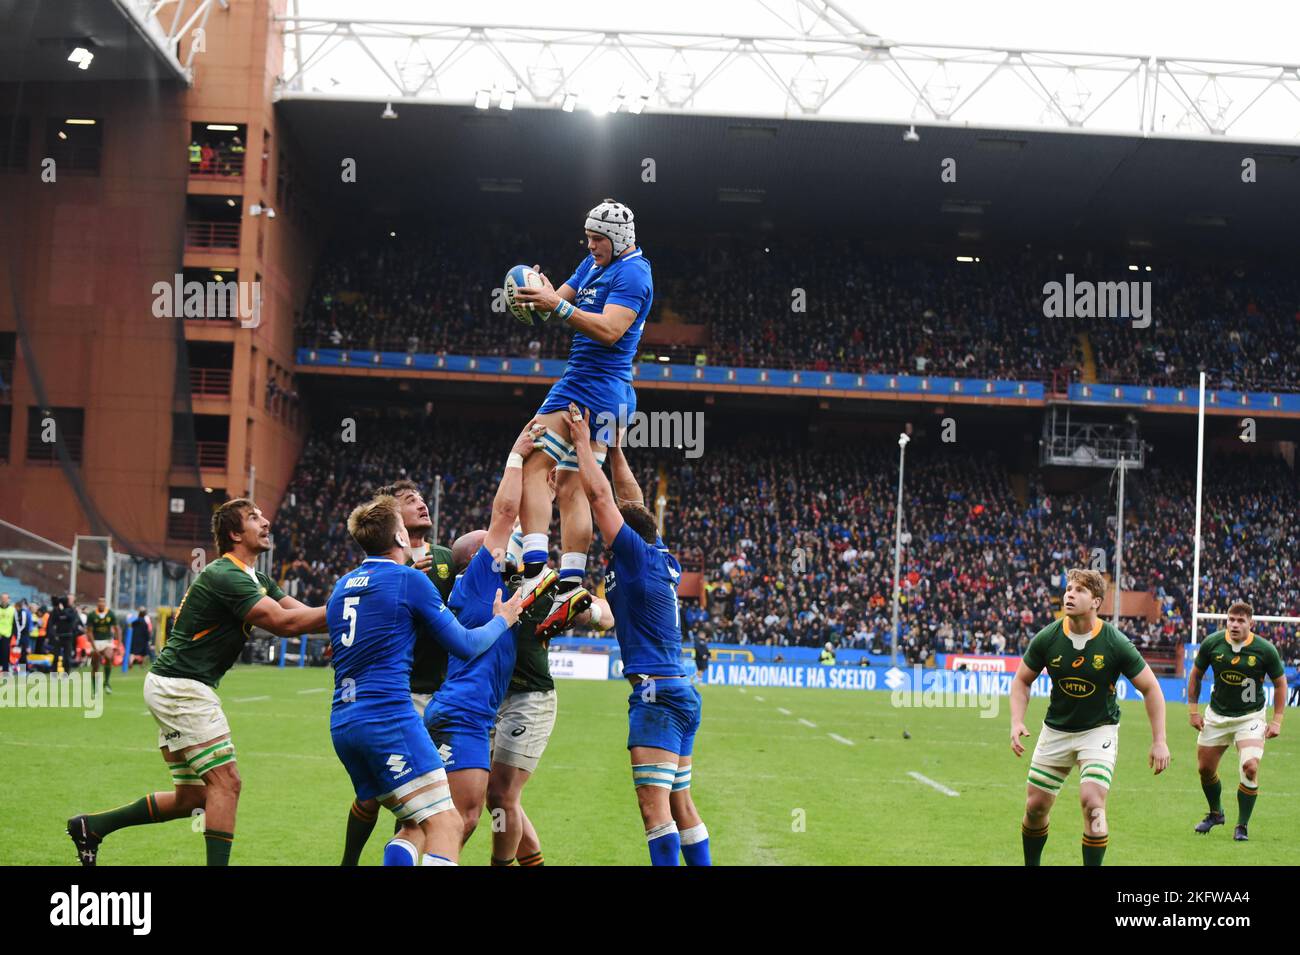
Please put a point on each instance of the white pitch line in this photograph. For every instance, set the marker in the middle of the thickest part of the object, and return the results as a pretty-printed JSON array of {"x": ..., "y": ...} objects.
[
  {"x": 314, "y": 689},
  {"x": 840, "y": 739},
  {"x": 783, "y": 711},
  {"x": 808, "y": 723},
  {"x": 931, "y": 783},
  {"x": 760, "y": 699},
  {"x": 249, "y": 699}
]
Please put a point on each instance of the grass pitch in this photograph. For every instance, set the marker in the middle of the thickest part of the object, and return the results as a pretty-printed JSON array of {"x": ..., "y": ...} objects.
[{"x": 782, "y": 777}]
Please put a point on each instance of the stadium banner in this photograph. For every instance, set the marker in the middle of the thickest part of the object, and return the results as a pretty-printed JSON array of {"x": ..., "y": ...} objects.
[
  {"x": 980, "y": 662},
  {"x": 1189, "y": 397},
  {"x": 552, "y": 368},
  {"x": 578, "y": 666}
]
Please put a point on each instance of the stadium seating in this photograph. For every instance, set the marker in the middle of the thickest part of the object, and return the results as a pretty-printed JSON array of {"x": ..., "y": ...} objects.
[
  {"x": 869, "y": 312},
  {"x": 795, "y": 539}
]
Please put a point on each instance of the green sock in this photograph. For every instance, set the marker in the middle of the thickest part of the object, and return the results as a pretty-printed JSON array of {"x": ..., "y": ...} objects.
[
  {"x": 1033, "y": 841},
  {"x": 1245, "y": 803},
  {"x": 1094, "y": 849},
  {"x": 219, "y": 844},
  {"x": 139, "y": 813},
  {"x": 1213, "y": 794},
  {"x": 360, "y": 825}
]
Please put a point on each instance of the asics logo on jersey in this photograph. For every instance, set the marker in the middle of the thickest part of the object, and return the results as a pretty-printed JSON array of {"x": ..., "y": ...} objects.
[
  {"x": 521, "y": 730},
  {"x": 398, "y": 765},
  {"x": 1106, "y": 745}
]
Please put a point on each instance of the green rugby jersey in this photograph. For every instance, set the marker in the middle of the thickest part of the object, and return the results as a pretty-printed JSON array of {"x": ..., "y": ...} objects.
[
  {"x": 101, "y": 628},
  {"x": 429, "y": 665},
  {"x": 1083, "y": 681},
  {"x": 1238, "y": 674},
  {"x": 532, "y": 662},
  {"x": 209, "y": 631}
]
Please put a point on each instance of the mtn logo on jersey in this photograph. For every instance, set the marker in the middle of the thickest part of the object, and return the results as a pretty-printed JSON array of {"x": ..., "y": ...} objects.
[
  {"x": 1232, "y": 677},
  {"x": 1076, "y": 687},
  {"x": 398, "y": 766}
]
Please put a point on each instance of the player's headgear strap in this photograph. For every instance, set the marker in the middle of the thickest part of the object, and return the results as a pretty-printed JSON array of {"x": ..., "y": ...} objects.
[{"x": 613, "y": 220}]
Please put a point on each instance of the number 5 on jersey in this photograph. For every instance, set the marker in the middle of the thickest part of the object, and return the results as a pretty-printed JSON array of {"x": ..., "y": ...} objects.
[{"x": 350, "y": 615}]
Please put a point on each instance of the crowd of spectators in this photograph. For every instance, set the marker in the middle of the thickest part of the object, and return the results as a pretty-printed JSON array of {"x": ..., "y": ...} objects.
[
  {"x": 795, "y": 539},
  {"x": 830, "y": 305}
]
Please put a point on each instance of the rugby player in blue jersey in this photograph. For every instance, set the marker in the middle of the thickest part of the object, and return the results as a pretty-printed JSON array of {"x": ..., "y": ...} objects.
[
  {"x": 372, "y": 616},
  {"x": 664, "y": 708},
  {"x": 605, "y": 301},
  {"x": 463, "y": 711}
]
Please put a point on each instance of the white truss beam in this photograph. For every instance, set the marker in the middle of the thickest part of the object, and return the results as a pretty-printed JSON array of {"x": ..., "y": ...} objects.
[
  {"x": 828, "y": 65},
  {"x": 187, "y": 19}
]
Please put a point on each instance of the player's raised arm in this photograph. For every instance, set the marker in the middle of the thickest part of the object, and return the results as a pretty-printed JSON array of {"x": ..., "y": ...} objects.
[
  {"x": 626, "y": 488},
  {"x": 1020, "y": 685},
  {"x": 286, "y": 621},
  {"x": 428, "y": 607},
  {"x": 603, "y": 509},
  {"x": 505, "y": 506},
  {"x": 1154, "y": 700}
]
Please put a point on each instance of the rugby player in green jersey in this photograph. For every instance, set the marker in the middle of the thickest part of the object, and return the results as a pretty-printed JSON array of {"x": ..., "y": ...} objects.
[
  {"x": 1084, "y": 657},
  {"x": 226, "y": 599},
  {"x": 1242, "y": 661},
  {"x": 104, "y": 630}
]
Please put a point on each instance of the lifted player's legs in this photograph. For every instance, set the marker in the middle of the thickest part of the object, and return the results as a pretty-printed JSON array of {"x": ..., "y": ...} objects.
[
  {"x": 653, "y": 772},
  {"x": 1207, "y": 765},
  {"x": 430, "y": 827}
]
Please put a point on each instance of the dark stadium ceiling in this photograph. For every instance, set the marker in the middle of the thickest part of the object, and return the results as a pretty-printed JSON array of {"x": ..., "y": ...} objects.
[
  {"x": 462, "y": 165},
  {"x": 36, "y": 37}
]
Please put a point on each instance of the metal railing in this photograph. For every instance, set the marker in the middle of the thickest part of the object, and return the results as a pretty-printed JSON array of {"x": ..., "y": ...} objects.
[
  {"x": 204, "y": 454},
  {"x": 210, "y": 382},
  {"x": 223, "y": 163},
  {"x": 187, "y": 527},
  {"x": 201, "y": 236}
]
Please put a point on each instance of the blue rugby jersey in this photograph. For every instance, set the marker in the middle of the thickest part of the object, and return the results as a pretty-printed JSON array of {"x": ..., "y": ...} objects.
[
  {"x": 641, "y": 587},
  {"x": 372, "y": 616},
  {"x": 626, "y": 281},
  {"x": 475, "y": 688}
]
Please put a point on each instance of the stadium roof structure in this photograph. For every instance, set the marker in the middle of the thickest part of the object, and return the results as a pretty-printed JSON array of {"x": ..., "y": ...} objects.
[
  {"x": 531, "y": 165},
  {"x": 825, "y": 65},
  {"x": 127, "y": 39}
]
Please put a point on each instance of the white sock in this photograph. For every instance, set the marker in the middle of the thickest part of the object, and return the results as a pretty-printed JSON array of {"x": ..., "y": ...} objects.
[
  {"x": 431, "y": 859},
  {"x": 694, "y": 834}
]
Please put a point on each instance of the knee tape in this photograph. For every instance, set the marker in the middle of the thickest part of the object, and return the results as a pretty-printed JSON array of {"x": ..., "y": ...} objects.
[
  {"x": 654, "y": 774},
  {"x": 208, "y": 759},
  {"x": 1244, "y": 756}
]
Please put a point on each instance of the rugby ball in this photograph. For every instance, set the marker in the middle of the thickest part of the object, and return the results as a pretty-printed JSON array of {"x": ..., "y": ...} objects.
[{"x": 517, "y": 278}]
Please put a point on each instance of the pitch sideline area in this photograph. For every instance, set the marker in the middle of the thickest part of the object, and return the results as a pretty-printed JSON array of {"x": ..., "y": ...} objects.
[{"x": 784, "y": 776}]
